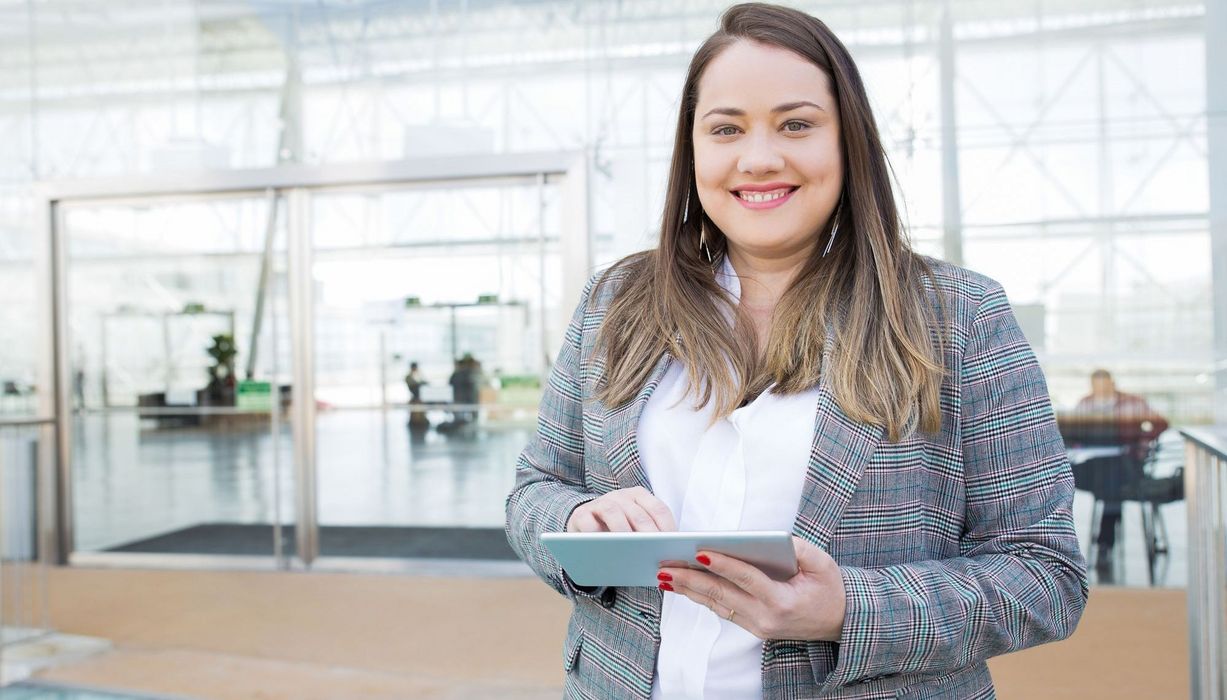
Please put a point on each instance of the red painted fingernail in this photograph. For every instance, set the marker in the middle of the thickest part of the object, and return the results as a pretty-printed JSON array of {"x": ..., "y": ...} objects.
[
  {"x": 662, "y": 576},
  {"x": 665, "y": 587},
  {"x": 703, "y": 559}
]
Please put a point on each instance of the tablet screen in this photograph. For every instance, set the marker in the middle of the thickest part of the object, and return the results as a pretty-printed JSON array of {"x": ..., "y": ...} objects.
[{"x": 634, "y": 558}]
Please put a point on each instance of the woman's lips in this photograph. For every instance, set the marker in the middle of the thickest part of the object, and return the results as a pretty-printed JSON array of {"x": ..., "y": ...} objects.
[{"x": 764, "y": 200}]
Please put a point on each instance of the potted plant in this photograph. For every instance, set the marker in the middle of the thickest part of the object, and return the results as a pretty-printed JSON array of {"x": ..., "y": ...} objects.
[{"x": 220, "y": 390}]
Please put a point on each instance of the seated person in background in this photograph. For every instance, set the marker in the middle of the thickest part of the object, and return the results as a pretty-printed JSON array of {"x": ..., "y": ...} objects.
[
  {"x": 466, "y": 381},
  {"x": 1109, "y": 416},
  {"x": 1133, "y": 423},
  {"x": 414, "y": 380}
]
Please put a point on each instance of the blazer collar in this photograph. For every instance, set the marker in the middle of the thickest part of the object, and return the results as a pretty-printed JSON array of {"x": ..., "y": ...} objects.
[
  {"x": 622, "y": 428},
  {"x": 840, "y": 451}
]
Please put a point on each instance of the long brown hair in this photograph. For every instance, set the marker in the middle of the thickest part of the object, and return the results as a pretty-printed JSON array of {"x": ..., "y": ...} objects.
[{"x": 885, "y": 365}]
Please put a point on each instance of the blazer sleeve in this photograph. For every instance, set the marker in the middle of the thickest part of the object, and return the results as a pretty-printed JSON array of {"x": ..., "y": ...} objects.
[
  {"x": 549, "y": 476},
  {"x": 1021, "y": 578}
]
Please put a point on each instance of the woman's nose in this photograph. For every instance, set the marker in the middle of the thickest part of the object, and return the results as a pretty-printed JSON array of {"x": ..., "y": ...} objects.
[{"x": 760, "y": 157}]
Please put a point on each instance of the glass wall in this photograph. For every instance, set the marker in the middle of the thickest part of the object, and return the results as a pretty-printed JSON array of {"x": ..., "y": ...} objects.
[
  {"x": 1080, "y": 182},
  {"x": 19, "y": 300}
]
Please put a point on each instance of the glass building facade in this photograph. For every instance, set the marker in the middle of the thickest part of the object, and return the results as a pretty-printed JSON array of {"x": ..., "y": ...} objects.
[{"x": 1061, "y": 148}]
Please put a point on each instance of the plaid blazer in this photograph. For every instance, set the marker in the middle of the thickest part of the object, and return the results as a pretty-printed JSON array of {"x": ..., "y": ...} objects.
[{"x": 953, "y": 547}]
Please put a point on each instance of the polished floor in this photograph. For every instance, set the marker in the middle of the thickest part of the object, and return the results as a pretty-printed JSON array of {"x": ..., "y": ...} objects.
[
  {"x": 133, "y": 482},
  {"x": 39, "y": 691}
]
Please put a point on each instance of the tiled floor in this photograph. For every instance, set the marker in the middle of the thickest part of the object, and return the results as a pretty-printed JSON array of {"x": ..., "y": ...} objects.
[
  {"x": 132, "y": 482},
  {"x": 329, "y": 636}
]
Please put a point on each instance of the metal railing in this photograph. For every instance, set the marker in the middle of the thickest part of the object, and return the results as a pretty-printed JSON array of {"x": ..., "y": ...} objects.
[
  {"x": 1205, "y": 487},
  {"x": 23, "y": 576}
]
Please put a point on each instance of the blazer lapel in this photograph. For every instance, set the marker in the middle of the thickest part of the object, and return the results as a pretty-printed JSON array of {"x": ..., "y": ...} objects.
[
  {"x": 621, "y": 430},
  {"x": 840, "y": 450}
]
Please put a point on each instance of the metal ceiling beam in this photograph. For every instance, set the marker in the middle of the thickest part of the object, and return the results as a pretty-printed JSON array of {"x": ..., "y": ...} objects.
[
  {"x": 313, "y": 44},
  {"x": 424, "y": 170}
]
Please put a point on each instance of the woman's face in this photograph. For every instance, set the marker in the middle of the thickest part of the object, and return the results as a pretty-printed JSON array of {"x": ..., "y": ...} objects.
[{"x": 766, "y": 149}]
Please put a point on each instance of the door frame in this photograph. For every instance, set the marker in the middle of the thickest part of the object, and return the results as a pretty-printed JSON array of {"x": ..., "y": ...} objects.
[{"x": 293, "y": 184}]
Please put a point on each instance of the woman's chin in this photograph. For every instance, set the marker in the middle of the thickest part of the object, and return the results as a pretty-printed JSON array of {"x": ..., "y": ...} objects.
[{"x": 765, "y": 245}]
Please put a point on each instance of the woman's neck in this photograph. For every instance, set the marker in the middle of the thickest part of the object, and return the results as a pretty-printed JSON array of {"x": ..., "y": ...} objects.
[{"x": 764, "y": 280}]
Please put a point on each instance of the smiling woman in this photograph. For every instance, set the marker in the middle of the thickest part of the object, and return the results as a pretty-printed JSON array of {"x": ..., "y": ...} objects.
[
  {"x": 775, "y": 148},
  {"x": 783, "y": 360}
]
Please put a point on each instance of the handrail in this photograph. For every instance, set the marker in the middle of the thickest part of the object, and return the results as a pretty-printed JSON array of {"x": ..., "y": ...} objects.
[
  {"x": 25, "y": 422},
  {"x": 21, "y": 569},
  {"x": 232, "y": 411},
  {"x": 1212, "y": 439},
  {"x": 1205, "y": 488}
]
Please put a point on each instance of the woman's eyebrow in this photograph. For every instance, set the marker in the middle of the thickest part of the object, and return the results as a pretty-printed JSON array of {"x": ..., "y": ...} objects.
[{"x": 786, "y": 107}]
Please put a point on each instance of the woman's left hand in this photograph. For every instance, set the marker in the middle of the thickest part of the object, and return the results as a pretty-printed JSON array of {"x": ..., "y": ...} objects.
[{"x": 809, "y": 606}]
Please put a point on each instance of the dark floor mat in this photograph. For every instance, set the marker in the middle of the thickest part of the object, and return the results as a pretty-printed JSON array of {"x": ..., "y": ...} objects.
[{"x": 336, "y": 541}]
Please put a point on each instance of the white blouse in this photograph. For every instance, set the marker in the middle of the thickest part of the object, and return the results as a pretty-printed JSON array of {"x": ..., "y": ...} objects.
[{"x": 744, "y": 472}]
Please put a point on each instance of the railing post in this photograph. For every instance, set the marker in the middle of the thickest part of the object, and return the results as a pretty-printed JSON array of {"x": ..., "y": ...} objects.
[{"x": 1205, "y": 484}]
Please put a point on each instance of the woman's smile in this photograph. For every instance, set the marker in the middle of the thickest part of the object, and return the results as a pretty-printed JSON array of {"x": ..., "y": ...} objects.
[{"x": 768, "y": 196}]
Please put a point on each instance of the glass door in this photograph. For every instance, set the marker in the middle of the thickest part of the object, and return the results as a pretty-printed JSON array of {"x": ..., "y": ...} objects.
[
  {"x": 178, "y": 339},
  {"x": 432, "y": 307}
]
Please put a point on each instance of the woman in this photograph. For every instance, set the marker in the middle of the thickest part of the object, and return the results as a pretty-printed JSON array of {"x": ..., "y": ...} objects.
[{"x": 782, "y": 360}]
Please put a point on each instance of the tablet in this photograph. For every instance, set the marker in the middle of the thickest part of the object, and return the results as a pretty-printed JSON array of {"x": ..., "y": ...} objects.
[{"x": 634, "y": 558}]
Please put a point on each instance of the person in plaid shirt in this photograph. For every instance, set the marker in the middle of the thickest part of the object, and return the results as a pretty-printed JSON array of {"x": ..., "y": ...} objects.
[{"x": 1108, "y": 416}]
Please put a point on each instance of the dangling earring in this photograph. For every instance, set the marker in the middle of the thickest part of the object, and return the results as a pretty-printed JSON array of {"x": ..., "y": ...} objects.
[
  {"x": 835, "y": 226},
  {"x": 703, "y": 247}
]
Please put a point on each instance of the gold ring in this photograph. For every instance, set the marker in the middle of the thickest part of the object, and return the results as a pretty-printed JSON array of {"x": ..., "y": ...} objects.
[{"x": 732, "y": 612}]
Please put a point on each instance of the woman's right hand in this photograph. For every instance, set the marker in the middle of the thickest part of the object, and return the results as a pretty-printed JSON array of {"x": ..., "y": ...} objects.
[{"x": 624, "y": 510}]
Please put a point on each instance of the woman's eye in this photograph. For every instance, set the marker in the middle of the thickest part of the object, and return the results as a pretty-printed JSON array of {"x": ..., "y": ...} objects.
[
  {"x": 725, "y": 131},
  {"x": 795, "y": 126}
]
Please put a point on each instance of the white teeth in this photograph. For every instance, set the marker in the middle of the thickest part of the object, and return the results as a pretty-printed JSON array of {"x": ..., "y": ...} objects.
[{"x": 762, "y": 196}]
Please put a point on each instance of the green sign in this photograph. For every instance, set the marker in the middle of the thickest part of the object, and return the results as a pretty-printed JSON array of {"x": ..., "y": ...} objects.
[{"x": 254, "y": 396}]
